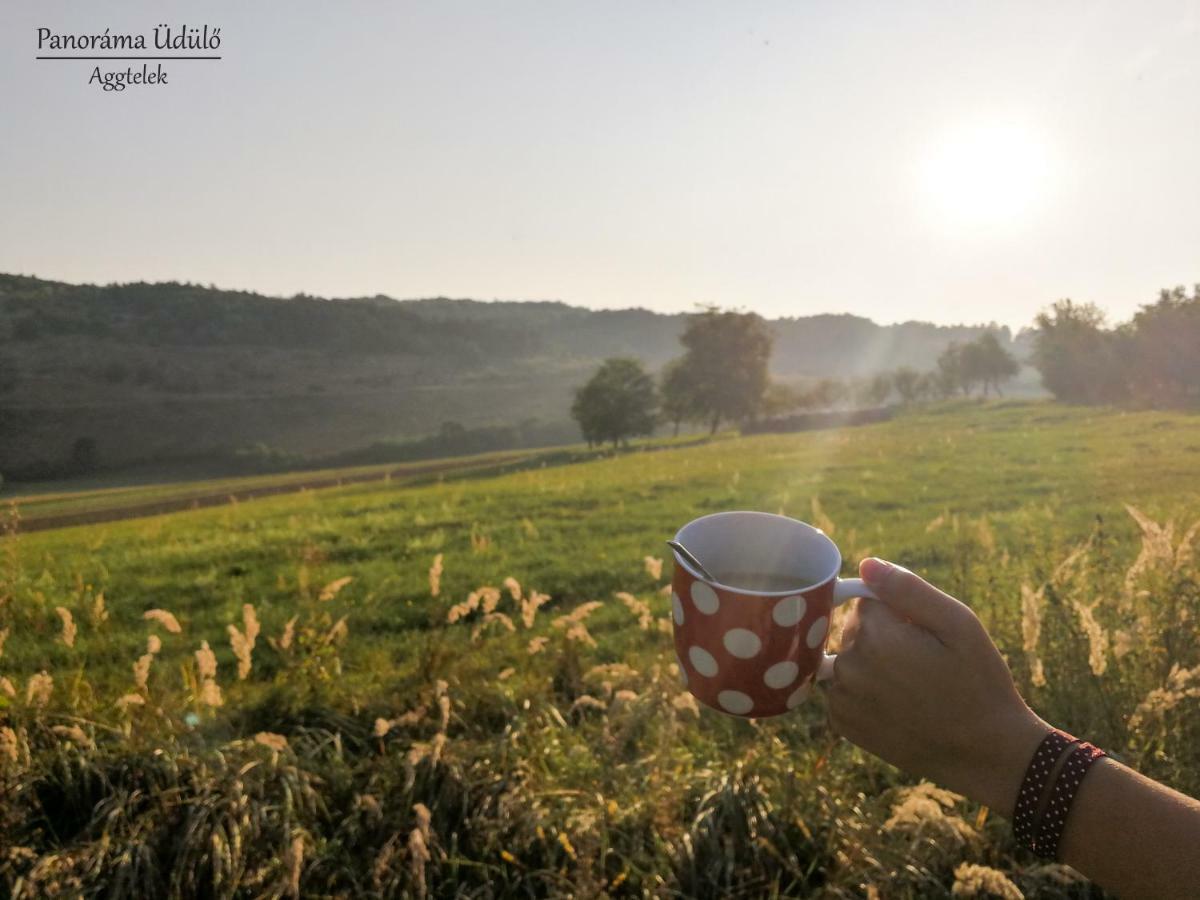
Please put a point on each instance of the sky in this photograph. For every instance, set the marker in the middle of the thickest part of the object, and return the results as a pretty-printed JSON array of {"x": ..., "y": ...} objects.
[{"x": 950, "y": 162}]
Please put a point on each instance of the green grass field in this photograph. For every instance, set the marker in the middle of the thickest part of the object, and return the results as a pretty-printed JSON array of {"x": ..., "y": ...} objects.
[{"x": 573, "y": 763}]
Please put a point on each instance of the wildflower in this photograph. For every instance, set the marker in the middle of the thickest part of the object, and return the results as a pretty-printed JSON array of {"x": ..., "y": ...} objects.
[
  {"x": 242, "y": 649},
  {"x": 141, "y": 670},
  {"x": 1122, "y": 643},
  {"x": 338, "y": 632},
  {"x": 418, "y": 856},
  {"x": 424, "y": 817},
  {"x": 210, "y": 693},
  {"x": 638, "y": 608},
  {"x": 971, "y": 880},
  {"x": 623, "y": 699},
  {"x": 1181, "y": 684},
  {"x": 382, "y": 727},
  {"x": 331, "y": 590},
  {"x": 131, "y": 700},
  {"x": 1074, "y": 560},
  {"x": 289, "y": 632},
  {"x": 923, "y": 808},
  {"x": 530, "y": 606},
  {"x": 68, "y": 625},
  {"x": 488, "y": 619},
  {"x": 513, "y": 587},
  {"x": 435, "y": 576},
  {"x": 206, "y": 661},
  {"x": 587, "y": 701},
  {"x": 1096, "y": 635},
  {"x": 6, "y": 687},
  {"x": 99, "y": 612},
  {"x": 444, "y": 709},
  {"x": 572, "y": 623},
  {"x": 75, "y": 733},
  {"x": 412, "y": 717},
  {"x": 490, "y": 597},
  {"x": 653, "y": 566},
  {"x": 153, "y": 644},
  {"x": 685, "y": 702},
  {"x": 369, "y": 804},
  {"x": 9, "y": 745},
  {"x": 276, "y": 742},
  {"x": 536, "y": 645},
  {"x": 296, "y": 861},
  {"x": 39, "y": 689},
  {"x": 250, "y": 622},
  {"x": 506, "y": 674},
  {"x": 163, "y": 618},
  {"x": 458, "y": 610}
]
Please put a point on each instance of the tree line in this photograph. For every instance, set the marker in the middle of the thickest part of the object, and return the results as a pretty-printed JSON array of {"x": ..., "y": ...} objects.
[
  {"x": 1153, "y": 360},
  {"x": 723, "y": 376}
]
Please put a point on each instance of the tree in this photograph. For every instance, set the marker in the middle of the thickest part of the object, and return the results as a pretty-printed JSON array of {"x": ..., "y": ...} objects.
[
  {"x": 907, "y": 382},
  {"x": 617, "y": 403},
  {"x": 1164, "y": 350},
  {"x": 985, "y": 361},
  {"x": 725, "y": 364},
  {"x": 677, "y": 396},
  {"x": 1079, "y": 360},
  {"x": 952, "y": 370}
]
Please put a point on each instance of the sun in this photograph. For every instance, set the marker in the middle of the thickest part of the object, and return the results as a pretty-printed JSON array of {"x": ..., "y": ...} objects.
[{"x": 986, "y": 175}]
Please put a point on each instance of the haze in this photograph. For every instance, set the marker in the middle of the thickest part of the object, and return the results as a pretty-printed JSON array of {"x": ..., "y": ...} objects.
[{"x": 946, "y": 162}]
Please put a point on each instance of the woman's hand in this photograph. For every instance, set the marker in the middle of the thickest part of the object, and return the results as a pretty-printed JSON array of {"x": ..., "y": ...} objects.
[{"x": 919, "y": 683}]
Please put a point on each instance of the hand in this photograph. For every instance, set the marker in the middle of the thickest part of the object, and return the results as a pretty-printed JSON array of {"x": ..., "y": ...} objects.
[{"x": 919, "y": 683}]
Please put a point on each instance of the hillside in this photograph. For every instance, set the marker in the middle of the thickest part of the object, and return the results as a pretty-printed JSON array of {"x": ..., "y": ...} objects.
[{"x": 171, "y": 372}]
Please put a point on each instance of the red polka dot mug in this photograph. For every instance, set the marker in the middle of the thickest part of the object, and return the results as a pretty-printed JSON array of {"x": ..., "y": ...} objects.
[{"x": 751, "y": 640}]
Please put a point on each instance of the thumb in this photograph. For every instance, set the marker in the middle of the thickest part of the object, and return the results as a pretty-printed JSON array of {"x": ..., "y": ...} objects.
[{"x": 915, "y": 599}]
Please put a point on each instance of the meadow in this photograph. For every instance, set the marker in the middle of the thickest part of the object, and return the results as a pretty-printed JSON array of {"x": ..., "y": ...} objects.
[{"x": 468, "y": 688}]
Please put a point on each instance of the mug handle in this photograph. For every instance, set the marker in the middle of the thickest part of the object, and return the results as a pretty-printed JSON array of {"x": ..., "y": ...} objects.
[{"x": 843, "y": 590}]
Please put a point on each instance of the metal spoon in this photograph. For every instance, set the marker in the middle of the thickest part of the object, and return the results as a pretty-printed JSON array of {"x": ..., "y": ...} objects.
[{"x": 690, "y": 559}]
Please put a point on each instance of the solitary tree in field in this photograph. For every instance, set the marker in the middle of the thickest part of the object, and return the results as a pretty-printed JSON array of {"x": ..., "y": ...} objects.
[
  {"x": 616, "y": 404},
  {"x": 725, "y": 364},
  {"x": 1077, "y": 356}
]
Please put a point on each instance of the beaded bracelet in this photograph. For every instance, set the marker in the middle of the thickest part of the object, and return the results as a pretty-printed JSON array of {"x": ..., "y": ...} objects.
[
  {"x": 1033, "y": 787},
  {"x": 1054, "y": 818}
]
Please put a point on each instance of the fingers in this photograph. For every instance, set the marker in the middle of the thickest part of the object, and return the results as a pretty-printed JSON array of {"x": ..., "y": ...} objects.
[{"x": 914, "y": 599}]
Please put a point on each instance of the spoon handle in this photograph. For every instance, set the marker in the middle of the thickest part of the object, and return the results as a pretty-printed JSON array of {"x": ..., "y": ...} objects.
[{"x": 690, "y": 559}]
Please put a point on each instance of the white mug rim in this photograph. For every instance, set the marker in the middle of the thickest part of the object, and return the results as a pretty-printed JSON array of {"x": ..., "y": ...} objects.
[{"x": 790, "y": 592}]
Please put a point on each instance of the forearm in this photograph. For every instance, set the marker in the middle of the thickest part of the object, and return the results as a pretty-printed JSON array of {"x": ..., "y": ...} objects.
[
  {"x": 1132, "y": 835},
  {"x": 1127, "y": 833}
]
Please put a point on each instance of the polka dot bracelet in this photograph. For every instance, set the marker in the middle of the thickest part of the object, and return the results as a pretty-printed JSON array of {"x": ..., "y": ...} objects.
[
  {"x": 1051, "y": 781},
  {"x": 1054, "y": 819}
]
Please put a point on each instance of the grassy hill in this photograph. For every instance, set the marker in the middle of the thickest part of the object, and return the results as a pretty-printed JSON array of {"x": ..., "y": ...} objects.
[
  {"x": 530, "y": 757},
  {"x": 172, "y": 373}
]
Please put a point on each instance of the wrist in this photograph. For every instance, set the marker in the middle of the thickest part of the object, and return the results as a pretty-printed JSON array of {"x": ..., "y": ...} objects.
[{"x": 1000, "y": 765}]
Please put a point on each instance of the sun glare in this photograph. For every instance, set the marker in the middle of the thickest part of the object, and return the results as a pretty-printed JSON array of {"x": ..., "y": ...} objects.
[{"x": 986, "y": 175}]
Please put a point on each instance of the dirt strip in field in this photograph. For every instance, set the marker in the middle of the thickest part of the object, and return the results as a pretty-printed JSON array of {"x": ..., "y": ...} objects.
[{"x": 201, "y": 501}]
